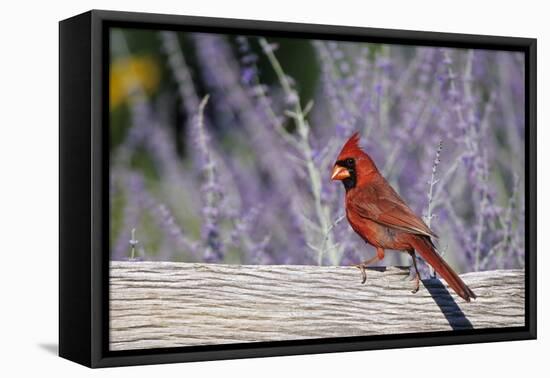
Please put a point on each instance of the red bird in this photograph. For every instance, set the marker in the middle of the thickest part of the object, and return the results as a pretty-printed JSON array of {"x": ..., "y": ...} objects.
[{"x": 377, "y": 213}]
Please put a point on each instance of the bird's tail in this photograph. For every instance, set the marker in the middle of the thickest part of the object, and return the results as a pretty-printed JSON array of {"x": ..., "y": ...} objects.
[{"x": 425, "y": 248}]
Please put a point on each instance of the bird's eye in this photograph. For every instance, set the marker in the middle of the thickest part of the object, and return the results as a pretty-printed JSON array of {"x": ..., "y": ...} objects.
[{"x": 349, "y": 161}]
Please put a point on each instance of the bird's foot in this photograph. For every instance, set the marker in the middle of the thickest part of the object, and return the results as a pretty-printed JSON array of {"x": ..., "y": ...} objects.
[
  {"x": 416, "y": 284},
  {"x": 365, "y": 264},
  {"x": 362, "y": 267}
]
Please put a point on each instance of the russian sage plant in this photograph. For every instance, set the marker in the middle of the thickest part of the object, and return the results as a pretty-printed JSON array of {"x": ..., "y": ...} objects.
[{"x": 228, "y": 159}]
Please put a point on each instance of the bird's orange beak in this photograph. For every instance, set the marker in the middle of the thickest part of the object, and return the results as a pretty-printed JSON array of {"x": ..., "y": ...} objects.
[{"x": 339, "y": 173}]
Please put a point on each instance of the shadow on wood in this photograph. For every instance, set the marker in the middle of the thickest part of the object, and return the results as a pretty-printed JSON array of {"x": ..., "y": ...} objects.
[
  {"x": 163, "y": 304},
  {"x": 442, "y": 297}
]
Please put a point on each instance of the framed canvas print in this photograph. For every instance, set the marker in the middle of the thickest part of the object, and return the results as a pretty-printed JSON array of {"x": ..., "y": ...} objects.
[{"x": 233, "y": 188}]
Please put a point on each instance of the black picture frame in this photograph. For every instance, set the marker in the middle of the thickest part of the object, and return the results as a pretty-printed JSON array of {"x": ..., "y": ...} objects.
[{"x": 83, "y": 196}]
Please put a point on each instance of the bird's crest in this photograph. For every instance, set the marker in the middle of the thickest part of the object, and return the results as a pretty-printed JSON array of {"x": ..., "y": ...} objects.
[{"x": 352, "y": 148}]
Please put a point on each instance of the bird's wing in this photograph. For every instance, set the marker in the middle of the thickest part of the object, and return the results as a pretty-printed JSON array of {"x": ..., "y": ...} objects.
[{"x": 380, "y": 203}]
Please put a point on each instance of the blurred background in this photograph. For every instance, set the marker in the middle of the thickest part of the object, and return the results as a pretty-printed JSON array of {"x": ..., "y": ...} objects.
[{"x": 222, "y": 147}]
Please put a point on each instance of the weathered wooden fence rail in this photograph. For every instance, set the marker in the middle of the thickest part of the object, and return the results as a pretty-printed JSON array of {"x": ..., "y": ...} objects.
[{"x": 161, "y": 304}]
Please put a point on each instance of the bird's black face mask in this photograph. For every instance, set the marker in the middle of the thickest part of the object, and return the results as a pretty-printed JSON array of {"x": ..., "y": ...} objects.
[{"x": 344, "y": 170}]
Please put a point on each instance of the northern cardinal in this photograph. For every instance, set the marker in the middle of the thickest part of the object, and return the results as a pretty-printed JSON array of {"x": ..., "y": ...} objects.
[{"x": 378, "y": 214}]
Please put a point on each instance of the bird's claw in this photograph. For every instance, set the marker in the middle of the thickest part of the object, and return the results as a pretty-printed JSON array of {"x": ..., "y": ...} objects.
[
  {"x": 361, "y": 267},
  {"x": 416, "y": 285}
]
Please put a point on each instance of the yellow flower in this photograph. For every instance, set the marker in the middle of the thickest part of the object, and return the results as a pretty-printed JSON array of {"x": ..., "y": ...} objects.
[{"x": 127, "y": 73}]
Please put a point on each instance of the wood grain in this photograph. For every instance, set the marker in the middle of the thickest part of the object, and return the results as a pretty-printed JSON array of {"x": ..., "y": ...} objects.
[{"x": 163, "y": 304}]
